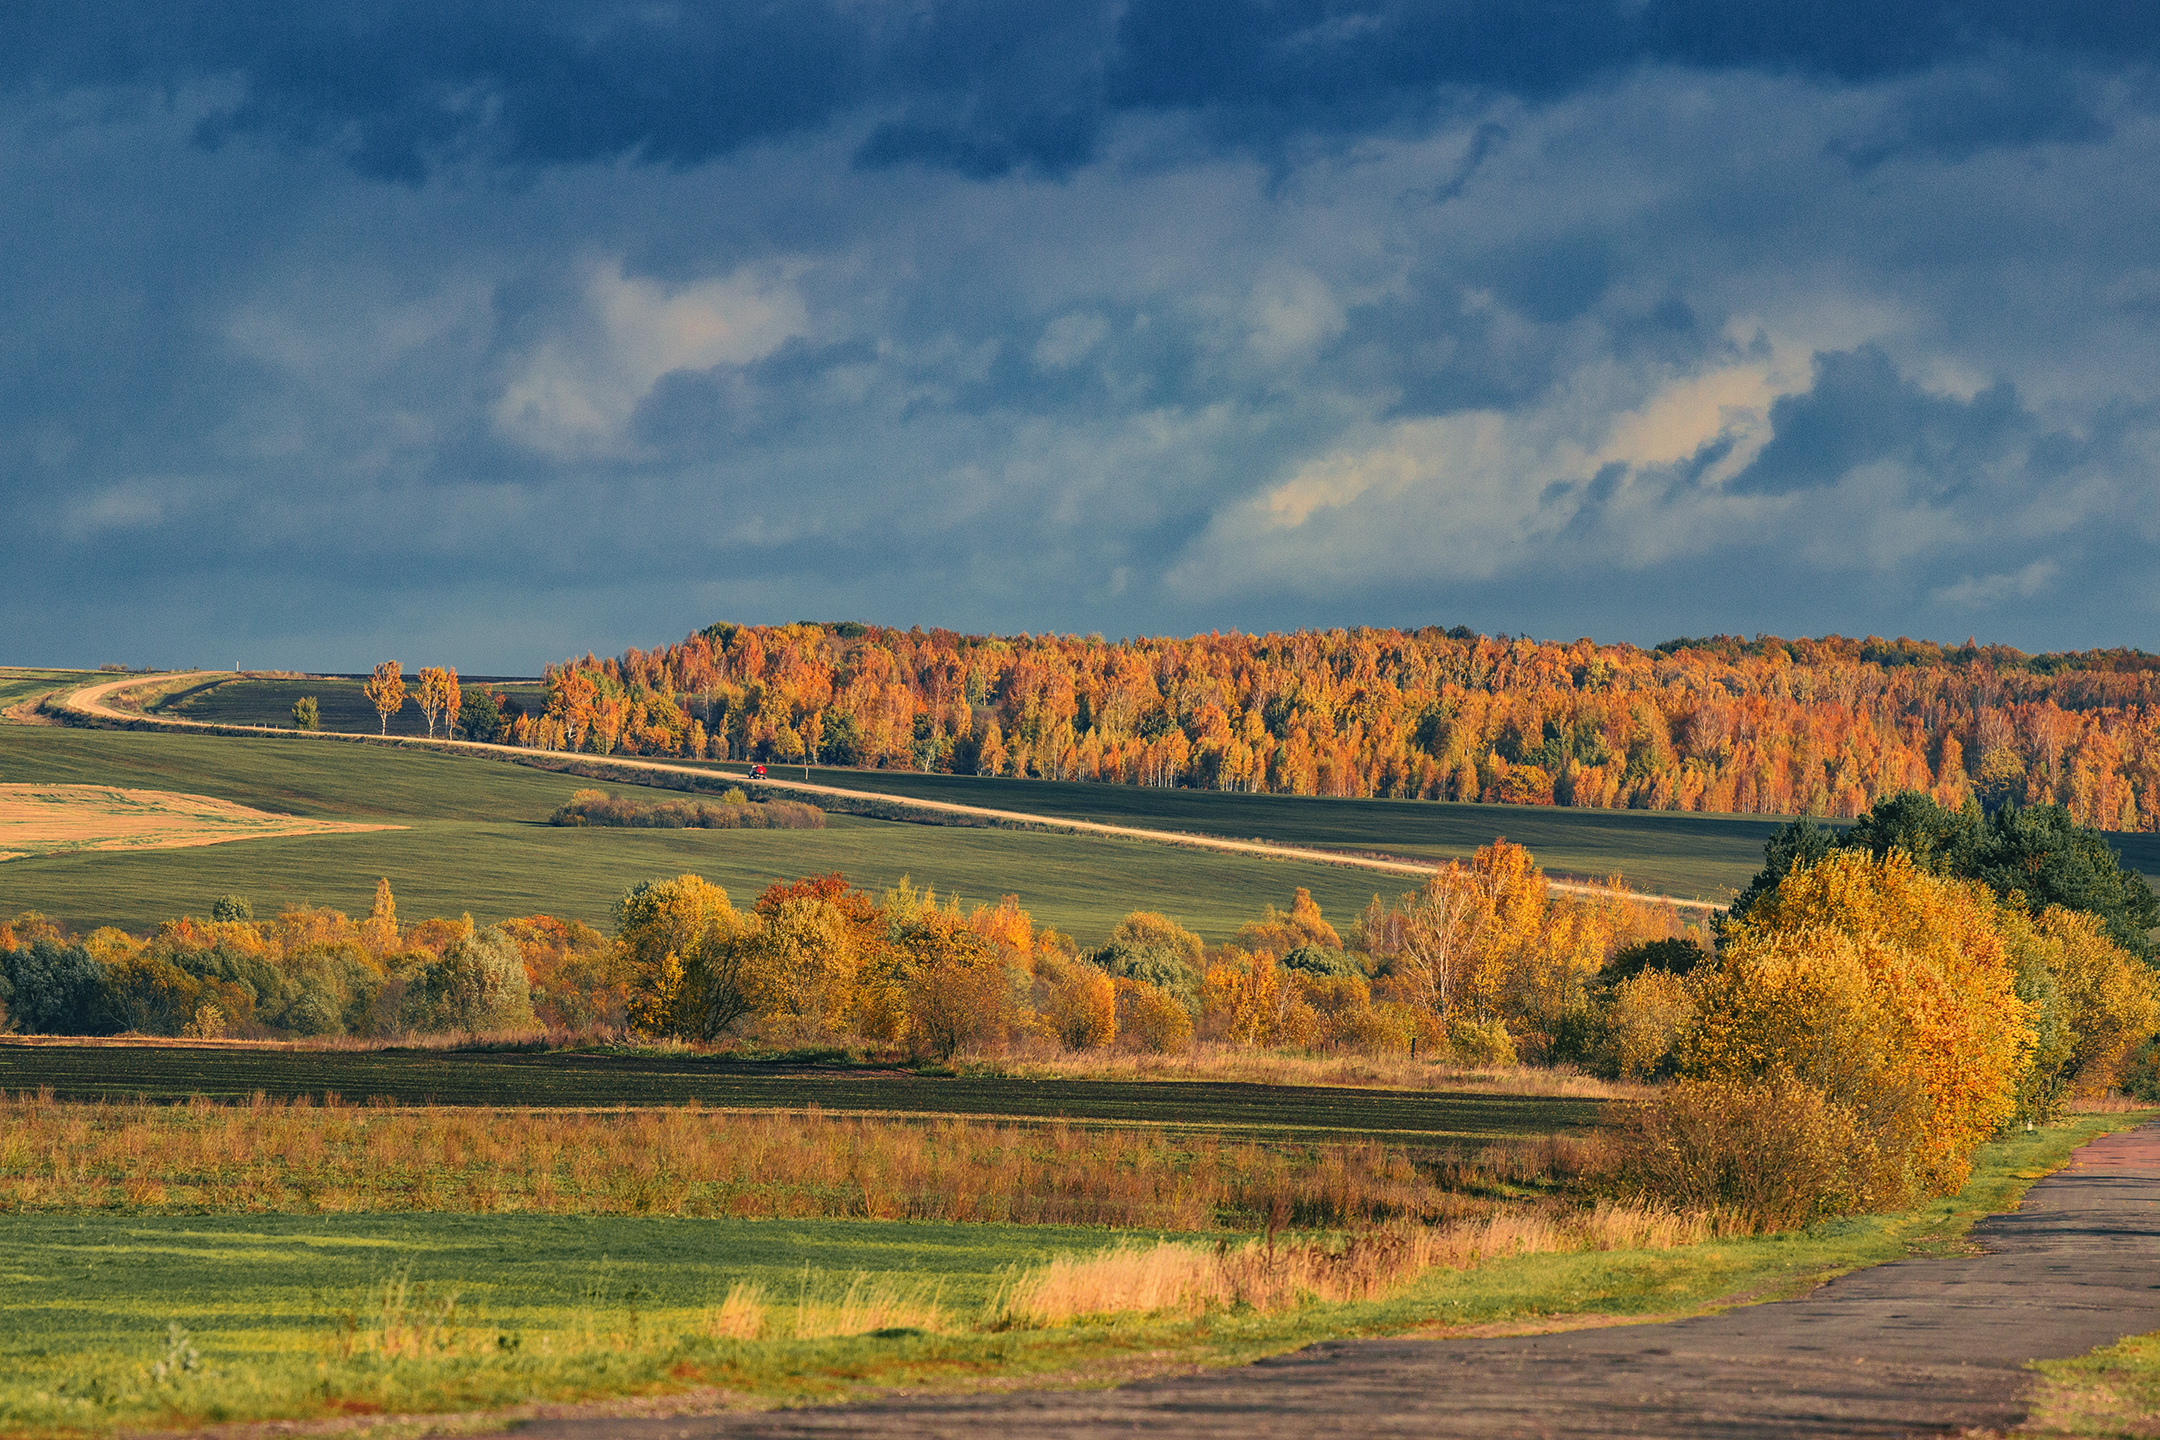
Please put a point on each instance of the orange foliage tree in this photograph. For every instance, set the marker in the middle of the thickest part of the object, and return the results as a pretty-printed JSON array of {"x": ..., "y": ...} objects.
[
  {"x": 385, "y": 690},
  {"x": 1826, "y": 726}
]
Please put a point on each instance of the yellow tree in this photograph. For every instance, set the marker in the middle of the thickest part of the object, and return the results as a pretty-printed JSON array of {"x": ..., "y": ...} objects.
[
  {"x": 379, "y": 932},
  {"x": 453, "y": 700},
  {"x": 1888, "y": 990},
  {"x": 1277, "y": 934},
  {"x": 386, "y": 692},
  {"x": 438, "y": 696},
  {"x": 664, "y": 929}
]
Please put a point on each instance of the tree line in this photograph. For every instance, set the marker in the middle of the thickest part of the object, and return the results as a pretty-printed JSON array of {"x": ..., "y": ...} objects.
[
  {"x": 1823, "y": 726},
  {"x": 1876, "y": 1005}
]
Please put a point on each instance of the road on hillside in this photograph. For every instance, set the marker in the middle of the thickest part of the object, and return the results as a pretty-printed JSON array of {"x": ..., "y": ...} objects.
[
  {"x": 1919, "y": 1347},
  {"x": 91, "y": 701}
]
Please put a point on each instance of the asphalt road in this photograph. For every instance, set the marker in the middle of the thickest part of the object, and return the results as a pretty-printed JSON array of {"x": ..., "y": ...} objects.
[{"x": 1920, "y": 1347}]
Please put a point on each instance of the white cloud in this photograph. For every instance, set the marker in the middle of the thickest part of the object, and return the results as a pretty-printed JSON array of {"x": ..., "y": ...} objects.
[
  {"x": 1987, "y": 590},
  {"x": 1067, "y": 340},
  {"x": 130, "y": 505},
  {"x": 575, "y": 393},
  {"x": 1290, "y": 316},
  {"x": 1486, "y": 492}
]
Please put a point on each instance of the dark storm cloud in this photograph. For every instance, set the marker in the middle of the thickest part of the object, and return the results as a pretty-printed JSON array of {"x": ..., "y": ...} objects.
[
  {"x": 397, "y": 86},
  {"x": 1861, "y": 411},
  {"x": 524, "y": 328}
]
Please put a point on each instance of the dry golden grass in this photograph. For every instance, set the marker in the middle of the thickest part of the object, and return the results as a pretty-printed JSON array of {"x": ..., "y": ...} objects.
[
  {"x": 1169, "y": 1277},
  {"x": 301, "y": 1157},
  {"x": 2112, "y": 1104},
  {"x": 1216, "y": 1061},
  {"x": 59, "y": 819}
]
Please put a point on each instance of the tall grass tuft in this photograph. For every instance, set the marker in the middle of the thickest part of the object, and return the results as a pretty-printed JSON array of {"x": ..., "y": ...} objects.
[{"x": 1172, "y": 1277}]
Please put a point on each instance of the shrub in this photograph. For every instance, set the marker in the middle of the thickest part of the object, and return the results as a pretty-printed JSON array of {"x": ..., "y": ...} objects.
[
  {"x": 959, "y": 1003},
  {"x": 1251, "y": 1000},
  {"x": 1485, "y": 1043},
  {"x": 1888, "y": 990},
  {"x": 1319, "y": 960},
  {"x": 55, "y": 989},
  {"x": 232, "y": 908},
  {"x": 1078, "y": 1005},
  {"x": 1150, "y": 1018},
  {"x": 657, "y": 924},
  {"x": 1668, "y": 957},
  {"x": 598, "y": 808},
  {"x": 1280, "y": 934},
  {"x": 800, "y": 966},
  {"x": 1774, "y": 1152},
  {"x": 2141, "y": 1072},
  {"x": 1644, "y": 1017},
  {"x": 1160, "y": 966},
  {"x": 579, "y": 980},
  {"x": 478, "y": 984}
]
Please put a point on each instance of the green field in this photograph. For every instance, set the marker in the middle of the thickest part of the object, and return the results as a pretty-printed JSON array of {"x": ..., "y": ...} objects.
[
  {"x": 1692, "y": 856},
  {"x": 341, "y": 705},
  {"x": 477, "y": 842},
  {"x": 1670, "y": 852},
  {"x": 86, "y": 1301},
  {"x": 453, "y": 1077},
  {"x": 563, "y": 1308}
]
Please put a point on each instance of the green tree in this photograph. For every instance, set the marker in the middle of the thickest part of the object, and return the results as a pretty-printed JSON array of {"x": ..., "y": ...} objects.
[
  {"x": 2043, "y": 855},
  {"x": 232, "y": 907},
  {"x": 481, "y": 717},
  {"x": 2038, "y": 854},
  {"x": 479, "y": 984},
  {"x": 306, "y": 714}
]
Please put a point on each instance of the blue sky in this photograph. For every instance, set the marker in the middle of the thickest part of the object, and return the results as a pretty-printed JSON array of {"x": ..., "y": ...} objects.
[{"x": 486, "y": 334}]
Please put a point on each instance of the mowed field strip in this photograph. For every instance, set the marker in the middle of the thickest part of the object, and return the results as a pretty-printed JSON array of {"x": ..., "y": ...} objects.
[
  {"x": 583, "y": 1081},
  {"x": 58, "y": 819},
  {"x": 95, "y": 701}
]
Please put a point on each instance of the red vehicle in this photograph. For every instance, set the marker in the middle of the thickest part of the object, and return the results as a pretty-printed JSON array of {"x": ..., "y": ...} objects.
[{"x": 757, "y": 772}]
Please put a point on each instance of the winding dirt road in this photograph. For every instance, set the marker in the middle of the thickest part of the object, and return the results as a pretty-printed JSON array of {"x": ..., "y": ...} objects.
[
  {"x": 92, "y": 702},
  {"x": 1928, "y": 1346}
]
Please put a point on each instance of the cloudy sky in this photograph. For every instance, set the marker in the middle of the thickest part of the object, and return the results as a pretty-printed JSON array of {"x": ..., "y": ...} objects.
[{"x": 490, "y": 332}]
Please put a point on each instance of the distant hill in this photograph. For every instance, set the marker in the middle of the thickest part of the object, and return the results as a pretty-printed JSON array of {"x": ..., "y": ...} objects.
[{"x": 1720, "y": 723}]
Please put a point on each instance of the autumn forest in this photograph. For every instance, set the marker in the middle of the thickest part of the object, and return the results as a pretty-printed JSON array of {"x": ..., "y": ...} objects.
[{"x": 1723, "y": 724}]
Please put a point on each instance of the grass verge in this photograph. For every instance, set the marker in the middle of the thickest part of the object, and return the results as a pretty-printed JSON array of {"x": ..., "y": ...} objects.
[
  {"x": 2113, "y": 1392},
  {"x": 317, "y": 1316}
]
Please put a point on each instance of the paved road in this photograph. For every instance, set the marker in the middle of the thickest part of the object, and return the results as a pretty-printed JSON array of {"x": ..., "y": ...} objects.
[{"x": 1925, "y": 1346}]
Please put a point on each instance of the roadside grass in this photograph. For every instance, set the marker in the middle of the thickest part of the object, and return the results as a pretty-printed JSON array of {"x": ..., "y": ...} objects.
[
  {"x": 591, "y": 1079},
  {"x": 476, "y": 842},
  {"x": 2112, "y": 1392},
  {"x": 300, "y": 1317}
]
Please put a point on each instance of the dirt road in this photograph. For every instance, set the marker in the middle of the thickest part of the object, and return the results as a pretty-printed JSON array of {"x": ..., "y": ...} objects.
[
  {"x": 91, "y": 701},
  {"x": 1920, "y": 1347}
]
